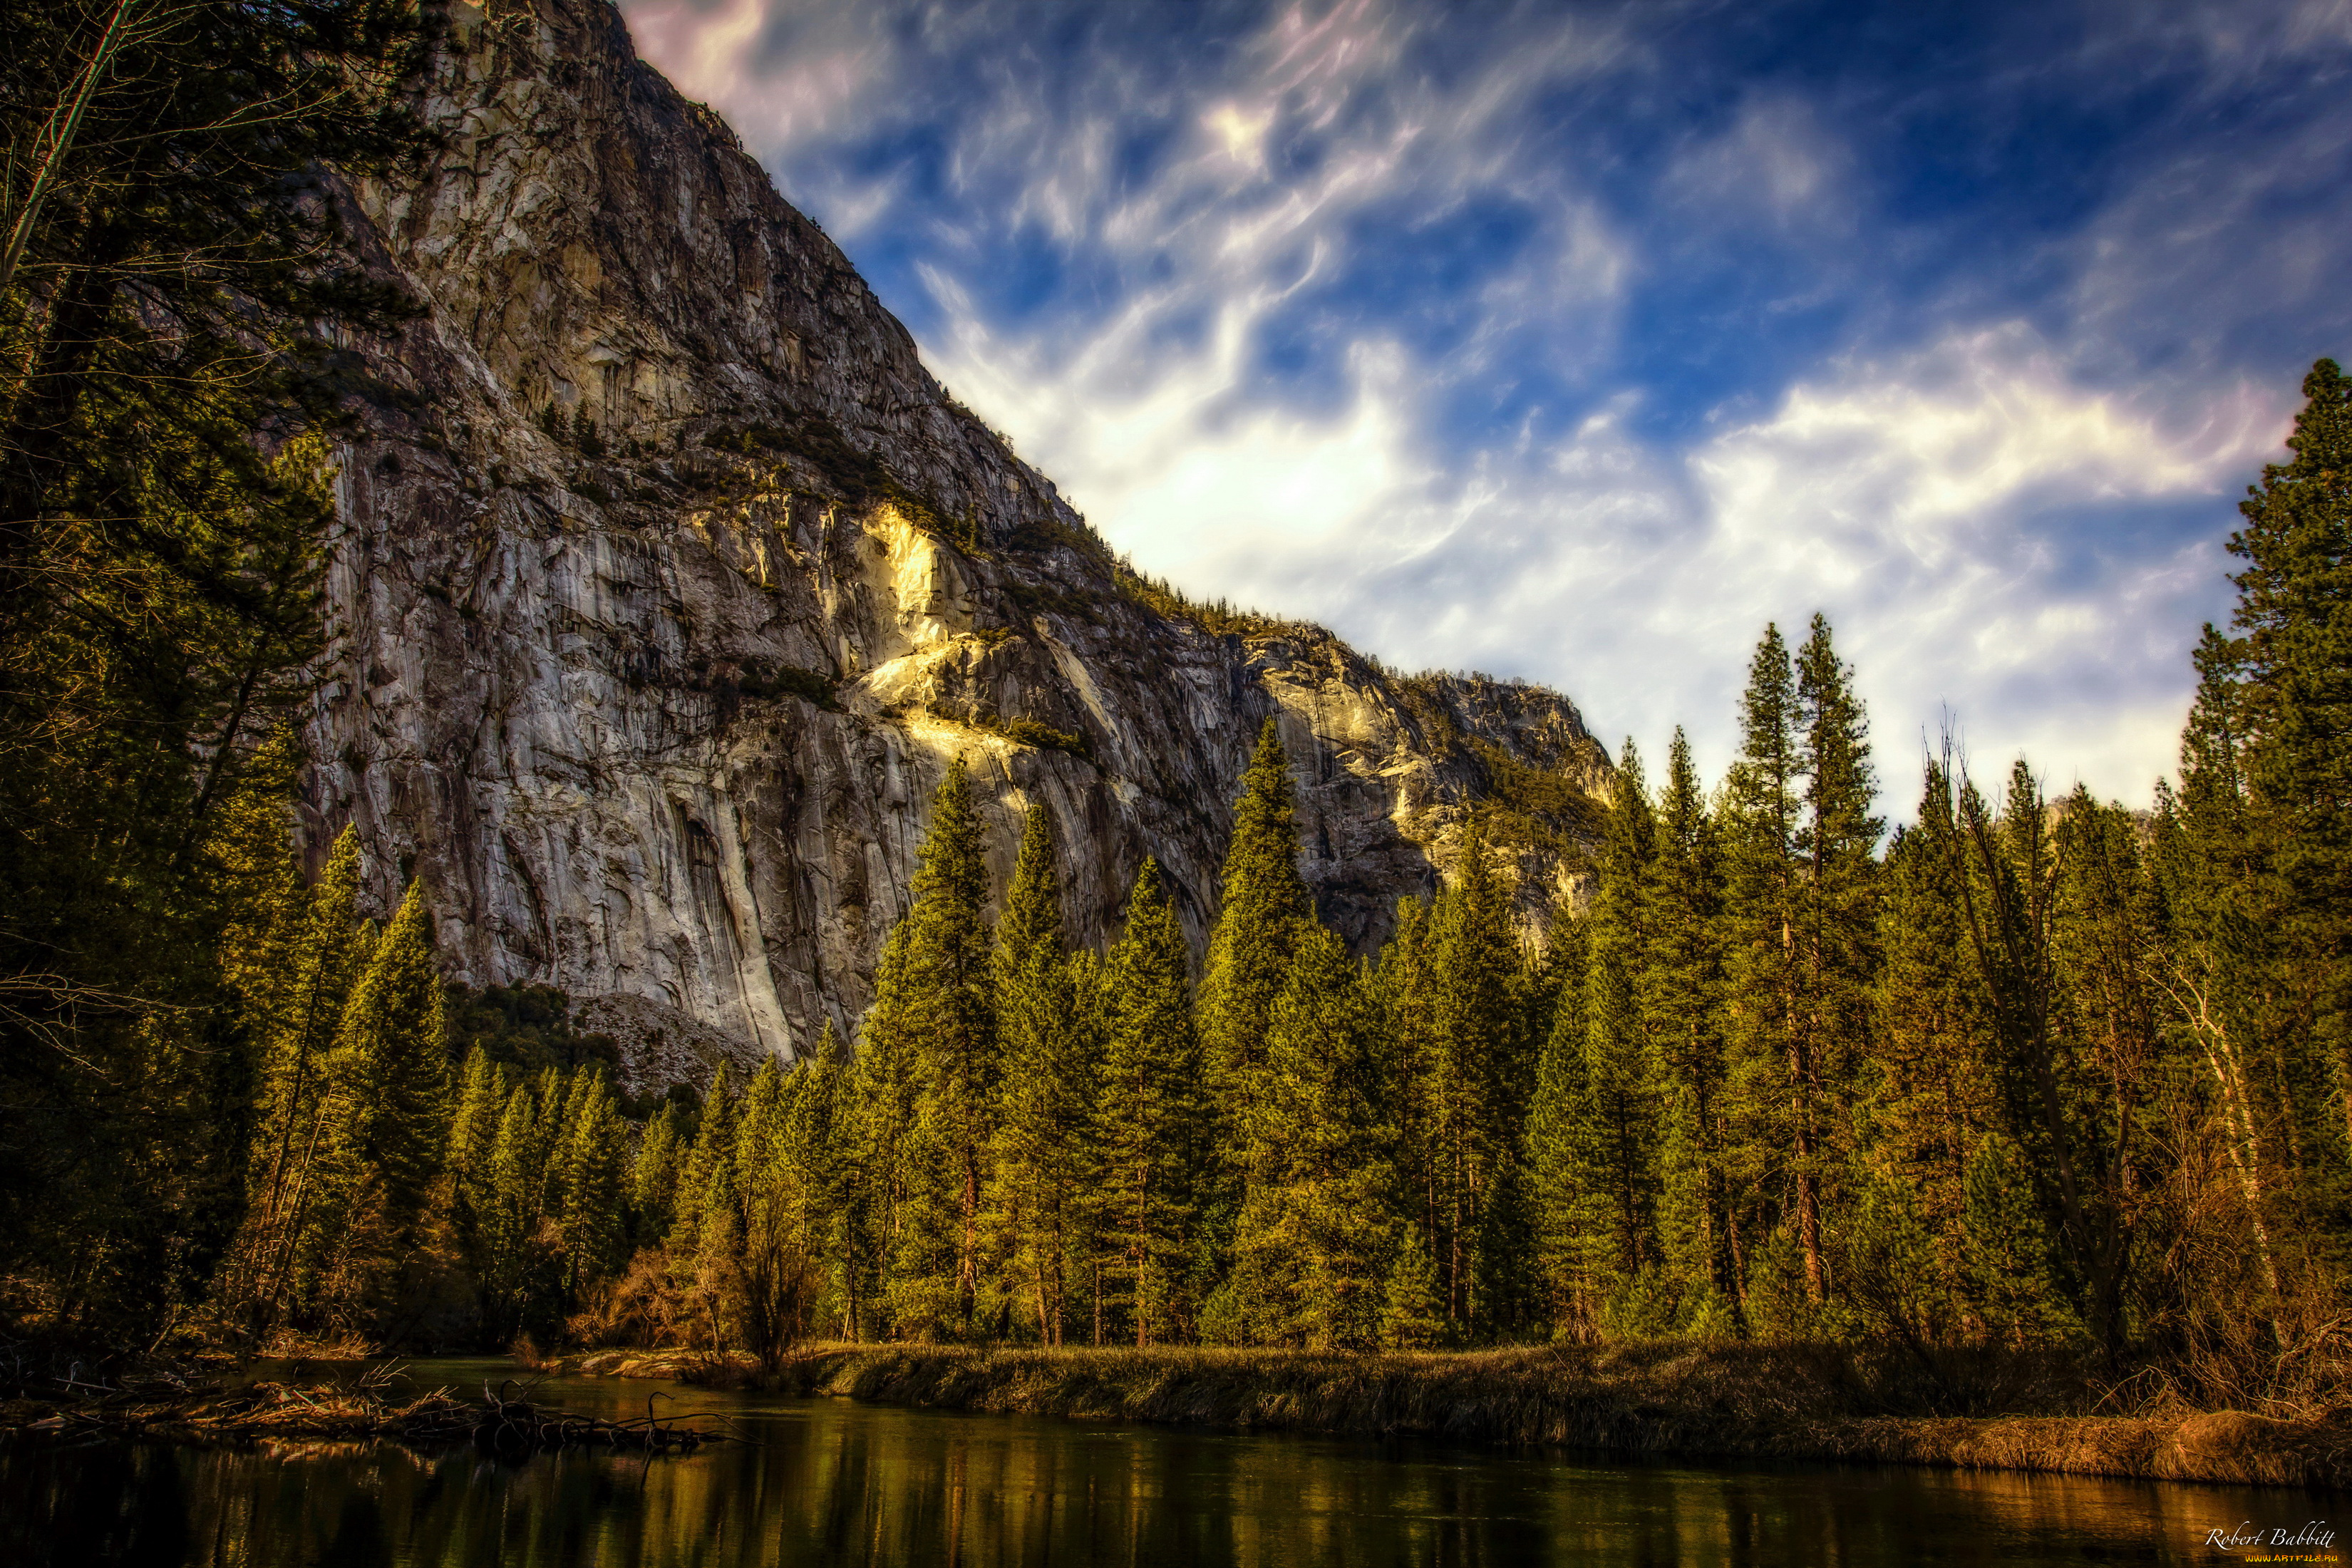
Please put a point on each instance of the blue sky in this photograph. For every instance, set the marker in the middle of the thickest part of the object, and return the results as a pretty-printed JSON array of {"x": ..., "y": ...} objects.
[{"x": 1577, "y": 342}]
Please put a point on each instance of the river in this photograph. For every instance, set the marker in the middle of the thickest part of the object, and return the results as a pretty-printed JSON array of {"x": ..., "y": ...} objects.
[{"x": 828, "y": 1481}]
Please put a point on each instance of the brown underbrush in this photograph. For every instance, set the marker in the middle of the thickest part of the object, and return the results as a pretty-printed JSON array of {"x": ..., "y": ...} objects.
[
  {"x": 169, "y": 1409},
  {"x": 1978, "y": 1410}
]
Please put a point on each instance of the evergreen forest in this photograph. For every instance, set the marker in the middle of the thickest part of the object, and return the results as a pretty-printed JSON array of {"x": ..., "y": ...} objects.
[{"x": 2030, "y": 1073}]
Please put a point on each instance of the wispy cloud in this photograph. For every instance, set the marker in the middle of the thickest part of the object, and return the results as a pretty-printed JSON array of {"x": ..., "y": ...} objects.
[{"x": 1577, "y": 343}]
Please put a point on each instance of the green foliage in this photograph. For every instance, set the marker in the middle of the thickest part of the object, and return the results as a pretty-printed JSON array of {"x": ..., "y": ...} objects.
[
  {"x": 170, "y": 301},
  {"x": 1614, "y": 1118},
  {"x": 931, "y": 1041},
  {"x": 1930, "y": 1093},
  {"x": 1044, "y": 1150},
  {"x": 1220, "y": 618},
  {"x": 388, "y": 1079},
  {"x": 1262, "y": 907},
  {"x": 2039, "y": 1074},
  {"x": 1543, "y": 809},
  {"x": 1412, "y": 1306},
  {"x": 1681, "y": 999},
  {"x": 1149, "y": 1121},
  {"x": 1034, "y": 732},
  {"x": 2294, "y": 676},
  {"x": 1311, "y": 1247},
  {"x": 527, "y": 1027},
  {"x": 1463, "y": 1009},
  {"x": 2011, "y": 1285}
]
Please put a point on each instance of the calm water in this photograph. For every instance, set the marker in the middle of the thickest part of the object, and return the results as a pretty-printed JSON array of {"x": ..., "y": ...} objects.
[{"x": 832, "y": 1482}]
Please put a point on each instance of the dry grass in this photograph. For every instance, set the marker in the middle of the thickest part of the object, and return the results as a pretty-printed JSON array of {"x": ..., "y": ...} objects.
[{"x": 1726, "y": 1401}]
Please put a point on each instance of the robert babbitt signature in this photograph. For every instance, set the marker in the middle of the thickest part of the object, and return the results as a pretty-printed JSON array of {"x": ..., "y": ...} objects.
[{"x": 2249, "y": 1537}]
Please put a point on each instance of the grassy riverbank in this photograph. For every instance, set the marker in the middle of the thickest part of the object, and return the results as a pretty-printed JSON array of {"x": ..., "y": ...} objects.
[{"x": 1722, "y": 1400}]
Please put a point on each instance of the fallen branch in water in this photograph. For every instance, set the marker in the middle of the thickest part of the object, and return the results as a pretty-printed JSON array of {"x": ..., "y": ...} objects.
[{"x": 495, "y": 1423}]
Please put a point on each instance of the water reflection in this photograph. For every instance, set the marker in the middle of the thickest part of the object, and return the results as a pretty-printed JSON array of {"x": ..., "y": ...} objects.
[{"x": 836, "y": 1483}]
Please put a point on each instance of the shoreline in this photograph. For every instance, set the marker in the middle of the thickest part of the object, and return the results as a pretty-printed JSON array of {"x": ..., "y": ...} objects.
[{"x": 1746, "y": 1402}]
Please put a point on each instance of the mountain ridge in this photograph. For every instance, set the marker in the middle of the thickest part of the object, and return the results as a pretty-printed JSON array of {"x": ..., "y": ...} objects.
[{"x": 669, "y": 579}]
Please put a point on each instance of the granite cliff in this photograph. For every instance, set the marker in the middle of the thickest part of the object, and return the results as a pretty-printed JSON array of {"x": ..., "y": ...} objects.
[{"x": 670, "y": 582}]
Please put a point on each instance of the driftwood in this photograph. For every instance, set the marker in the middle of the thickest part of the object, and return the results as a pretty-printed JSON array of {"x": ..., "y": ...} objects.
[{"x": 171, "y": 1411}]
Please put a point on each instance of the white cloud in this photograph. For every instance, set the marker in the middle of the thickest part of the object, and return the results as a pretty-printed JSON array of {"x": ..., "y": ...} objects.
[
  {"x": 1981, "y": 512},
  {"x": 1775, "y": 161},
  {"x": 1931, "y": 507},
  {"x": 781, "y": 75}
]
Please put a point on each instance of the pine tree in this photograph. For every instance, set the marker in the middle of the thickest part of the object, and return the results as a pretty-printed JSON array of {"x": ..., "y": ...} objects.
[
  {"x": 933, "y": 1029},
  {"x": 1600, "y": 1105},
  {"x": 1556, "y": 1173},
  {"x": 654, "y": 1174},
  {"x": 1837, "y": 927},
  {"x": 294, "y": 1020},
  {"x": 170, "y": 287},
  {"x": 1042, "y": 1148},
  {"x": 818, "y": 1169},
  {"x": 1412, "y": 1308},
  {"x": 706, "y": 1177},
  {"x": 1929, "y": 1095},
  {"x": 1614, "y": 1125},
  {"x": 385, "y": 1114},
  {"x": 759, "y": 1127},
  {"x": 2225, "y": 965},
  {"x": 513, "y": 1268},
  {"x": 595, "y": 1173},
  {"x": 391, "y": 1066},
  {"x": 2007, "y": 1250},
  {"x": 1682, "y": 1000},
  {"x": 768, "y": 1267},
  {"x": 1404, "y": 981},
  {"x": 882, "y": 1116},
  {"x": 1312, "y": 1249},
  {"x": 2071, "y": 1150},
  {"x": 259, "y": 882},
  {"x": 1769, "y": 1083},
  {"x": 1031, "y": 931},
  {"x": 2258, "y": 969},
  {"x": 2294, "y": 679},
  {"x": 1474, "y": 1115},
  {"x": 1149, "y": 1126},
  {"x": 473, "y": 1138},
  {"x": 1261, "y": 904}
]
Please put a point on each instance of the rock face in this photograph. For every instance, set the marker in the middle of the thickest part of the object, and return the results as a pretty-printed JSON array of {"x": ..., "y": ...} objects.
[{"x": 670, "y": 583}]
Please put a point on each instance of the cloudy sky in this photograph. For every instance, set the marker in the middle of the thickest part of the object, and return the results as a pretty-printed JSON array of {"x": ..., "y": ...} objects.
[{"x": 1577, "y": 342}]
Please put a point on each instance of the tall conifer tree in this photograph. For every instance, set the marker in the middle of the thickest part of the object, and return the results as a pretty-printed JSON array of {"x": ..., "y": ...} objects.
[
  {"x": 1682, "y": 1000},
  {"x": 1149, "y": 1116},
  {"x": 2294, "y": 679},
  {"x": 1929, "y": 1095},
  {"x": 948, "y": 1014},
  {"x": 1555, "y": 1172},
  {"x": 1313, "y": 1249},
  {"x": 295, "y": 1020},
  {"x": 1043, "y": 1146},
  {"x": 1616, "y": 1119},
  {"x": 1263, "y": 904},
  {"x": 1475, "y": 1112},
  {"x": 1837, "y": 929},
  {"x": 1778, "y": 1143}
]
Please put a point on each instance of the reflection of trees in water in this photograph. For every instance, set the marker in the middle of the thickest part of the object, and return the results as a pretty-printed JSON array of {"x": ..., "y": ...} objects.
[{"x": 837, "y": 1483}]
